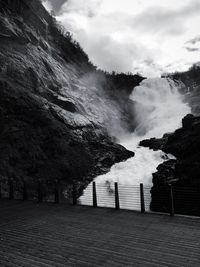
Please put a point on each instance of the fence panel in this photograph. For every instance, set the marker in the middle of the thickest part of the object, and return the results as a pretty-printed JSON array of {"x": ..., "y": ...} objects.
[
  {"x": 4, "y": 186},
  {"x": 105, "y": 195},
  {"x": 87, "y": 197},
  {"x": 32, "y": 190},
  {"x": 18, "y": 190},
  {"x": 160, "y": 199},
  {"x": 167, "y": 199},
  {"x": 187, "y": 200},
  {"x": 129, "y": 197},
  {"x": 48, "y": 192}
]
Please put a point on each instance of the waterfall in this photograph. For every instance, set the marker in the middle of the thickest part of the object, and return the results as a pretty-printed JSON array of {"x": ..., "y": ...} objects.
[{"x": 158, "y": 109}]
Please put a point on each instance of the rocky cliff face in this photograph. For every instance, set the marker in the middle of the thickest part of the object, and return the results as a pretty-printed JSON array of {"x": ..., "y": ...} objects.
[
  {"x": 189, "y": 82},
  {"x": 57, "y": 111},
  {"x": 182, "y": 173}
]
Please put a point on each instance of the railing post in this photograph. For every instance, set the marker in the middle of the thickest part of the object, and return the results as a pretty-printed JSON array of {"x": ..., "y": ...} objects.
[
  {"x": 74, "y": 194},
  {"x": 25, "y": 195},
  {"x": 94, "y": 193},
  {"x": 40, "y": 196},
  {"x": 11, "y": 190},
  {"x": 171, "y": 202},
  {"x": 0, "y": 190},
  {"x": 56, "y": 193},
  {"x": 142, "y": 198},
  {"x": 117, "y": 206}
]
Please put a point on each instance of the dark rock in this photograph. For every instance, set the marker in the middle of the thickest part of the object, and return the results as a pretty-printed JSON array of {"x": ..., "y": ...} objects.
[
  {"x": 154, "y": 143},
  {"x": 183, "y": 173},
  {"x": 188, "y": 121},
  {"x": 36, "y": 145},
  {"x": 49, "y": 97}
]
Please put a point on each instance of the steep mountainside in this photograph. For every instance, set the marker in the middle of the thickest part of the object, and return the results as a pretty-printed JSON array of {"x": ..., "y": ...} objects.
[{"x": 57, "y": 111}]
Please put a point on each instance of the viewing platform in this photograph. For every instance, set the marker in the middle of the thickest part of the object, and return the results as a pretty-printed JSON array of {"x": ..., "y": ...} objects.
[{"x": 46, "y": 234}]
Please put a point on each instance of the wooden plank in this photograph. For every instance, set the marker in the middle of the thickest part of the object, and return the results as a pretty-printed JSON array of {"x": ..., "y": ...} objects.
[{"x": 63, "y": 235}]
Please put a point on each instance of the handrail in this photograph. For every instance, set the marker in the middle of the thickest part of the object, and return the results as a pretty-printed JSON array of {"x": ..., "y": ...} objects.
[{"x": 167, "y": 199}]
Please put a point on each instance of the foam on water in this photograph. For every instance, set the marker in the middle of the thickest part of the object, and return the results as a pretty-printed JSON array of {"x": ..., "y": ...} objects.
[{"x": 159, "y": 109}]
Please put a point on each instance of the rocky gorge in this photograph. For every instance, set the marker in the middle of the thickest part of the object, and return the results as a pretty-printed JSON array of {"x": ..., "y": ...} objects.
[{"x": 61, "y": 117}]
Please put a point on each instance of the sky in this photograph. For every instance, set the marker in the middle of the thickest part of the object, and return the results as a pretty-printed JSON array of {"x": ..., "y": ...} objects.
[{"x": 149, "y": 37}]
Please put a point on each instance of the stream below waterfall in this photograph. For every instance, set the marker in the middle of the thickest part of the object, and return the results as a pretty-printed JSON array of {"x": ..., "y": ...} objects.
[{"x": 158, "y": 109}]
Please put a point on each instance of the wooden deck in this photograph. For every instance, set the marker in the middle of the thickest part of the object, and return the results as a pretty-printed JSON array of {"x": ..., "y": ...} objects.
[{"x": 59, "y": 235}]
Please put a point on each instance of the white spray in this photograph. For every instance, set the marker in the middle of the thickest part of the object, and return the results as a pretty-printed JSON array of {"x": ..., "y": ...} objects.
[{"x": 159, "y": 109}]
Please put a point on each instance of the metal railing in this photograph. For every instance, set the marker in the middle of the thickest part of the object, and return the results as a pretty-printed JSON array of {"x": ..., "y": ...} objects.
[
  {"x": 166, "y": 199},
  {"x": 118, "y": 196}
]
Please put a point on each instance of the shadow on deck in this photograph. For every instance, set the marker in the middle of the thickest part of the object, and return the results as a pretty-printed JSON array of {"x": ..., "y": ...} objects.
[{"x": 47, "y": 235}]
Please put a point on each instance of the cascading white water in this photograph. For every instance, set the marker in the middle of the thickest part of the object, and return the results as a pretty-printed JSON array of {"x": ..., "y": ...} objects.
[{"x": 159, "y": 108}]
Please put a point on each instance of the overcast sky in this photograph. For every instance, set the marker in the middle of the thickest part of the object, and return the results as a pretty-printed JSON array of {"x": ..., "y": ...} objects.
[{"x": 145, "y": 36}]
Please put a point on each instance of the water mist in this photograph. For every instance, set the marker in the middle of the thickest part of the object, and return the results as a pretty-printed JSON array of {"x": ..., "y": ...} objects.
[{"x": 159, "y": 109}]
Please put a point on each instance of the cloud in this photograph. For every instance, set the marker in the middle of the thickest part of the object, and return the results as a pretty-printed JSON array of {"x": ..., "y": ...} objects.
[
  {"x": 165, "y": 21},
  {"x": 140, "y": 35},
  {"x": 191, "y": 44},
  {"x": 56, "y": 4},
  {"x": 121, "y": 56},
  {"x": 192, "y": 49},
  {"x": 194, "y": 40},
  {"x": 87, "y": 8},
  {"x": 47, "y": 4}
]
